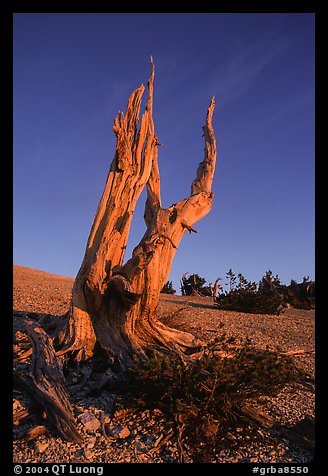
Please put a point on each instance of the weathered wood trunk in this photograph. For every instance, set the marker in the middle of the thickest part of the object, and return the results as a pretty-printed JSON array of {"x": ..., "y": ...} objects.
[{"x": 114, "y": 305}]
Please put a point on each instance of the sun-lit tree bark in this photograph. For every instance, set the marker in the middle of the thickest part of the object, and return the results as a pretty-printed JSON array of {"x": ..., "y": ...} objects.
[
  {"x": 112, "y": 315},
  {"x": 114, "y": 304}
]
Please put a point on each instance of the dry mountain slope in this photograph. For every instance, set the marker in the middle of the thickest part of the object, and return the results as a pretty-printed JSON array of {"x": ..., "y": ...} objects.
[{"x": 44, "y": 293}]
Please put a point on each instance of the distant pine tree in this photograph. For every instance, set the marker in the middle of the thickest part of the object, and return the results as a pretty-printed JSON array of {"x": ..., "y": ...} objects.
[
  {"x": 247, "y": 296},
  {"x": 168, "y": 288},
  {"x": 194, "y": 286}
]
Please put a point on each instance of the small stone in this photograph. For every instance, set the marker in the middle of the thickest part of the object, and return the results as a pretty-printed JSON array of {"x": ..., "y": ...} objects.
[
  {"x": 91, "y": 443},
  {"x": 124, "y": 433},
  {"x": 106, "y": 418},
  {"x": 139, "y": 446},
  {"x": 88, "y": 454},
  {"x": 40, "y": 447},
  {"x": 17, "y": 405},
  {"x": 90, "y": 422}
]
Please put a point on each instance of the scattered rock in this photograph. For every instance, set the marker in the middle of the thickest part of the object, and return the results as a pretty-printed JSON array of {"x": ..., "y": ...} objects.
[
  {"x": 87, "y": 454},
  {"x": 91, "y": 442},
  {"x": 106, "y": 418},
  {"x": 124, "y": 433},
  {"x": 140, "y": 447},
  {"x": 40, "y": 447},
  {"x": 89, "y": 421}
]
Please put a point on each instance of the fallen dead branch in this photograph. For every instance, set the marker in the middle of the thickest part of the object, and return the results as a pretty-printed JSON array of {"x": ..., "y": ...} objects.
[
  {"x": 45, "y": 383},
  {"x": 257, "y": 416},
  {"x": 36, "y": 432},
  {"x": 298, "y": 352},
  {"x": 302, "y": 433}
]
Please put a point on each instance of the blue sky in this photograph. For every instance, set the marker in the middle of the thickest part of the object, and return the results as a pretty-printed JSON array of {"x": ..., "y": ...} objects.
[{"x": 74, "y": 72}]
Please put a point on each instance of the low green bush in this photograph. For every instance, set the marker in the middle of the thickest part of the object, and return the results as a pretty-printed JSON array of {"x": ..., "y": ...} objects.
[
  {"x": 168, "y": 288},
  {"x": 205, "y": 396},
  {"x": 266, "y": 297}
]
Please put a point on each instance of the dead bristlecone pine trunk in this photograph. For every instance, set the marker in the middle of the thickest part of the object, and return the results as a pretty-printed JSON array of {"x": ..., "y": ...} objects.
[
  {"x": 113, "y": 305},
  {"x": 112, "y": 315}
]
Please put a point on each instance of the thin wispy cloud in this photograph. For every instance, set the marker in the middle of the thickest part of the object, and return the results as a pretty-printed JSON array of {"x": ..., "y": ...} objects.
[{"x": 245, "y": 66}]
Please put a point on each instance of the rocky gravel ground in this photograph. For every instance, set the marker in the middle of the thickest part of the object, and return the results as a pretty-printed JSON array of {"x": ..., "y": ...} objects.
[{"x": 114, "y": 433}]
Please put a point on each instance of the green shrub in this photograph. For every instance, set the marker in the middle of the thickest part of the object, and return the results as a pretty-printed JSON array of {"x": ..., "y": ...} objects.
[
  {"x": 194, "y": 285},
  {"x": 206, "y": 395},
  {"x": 168, "y": 288},
  {"x": 264, "y": 298}
]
